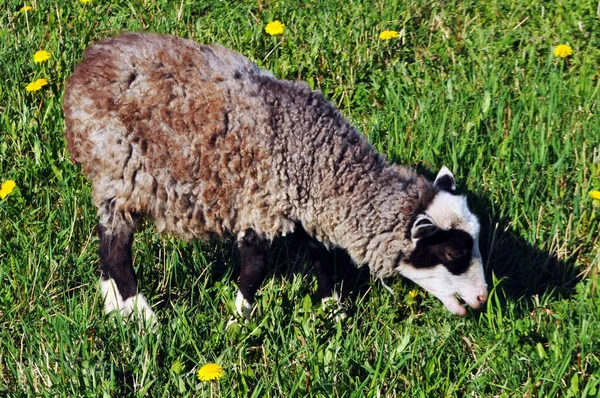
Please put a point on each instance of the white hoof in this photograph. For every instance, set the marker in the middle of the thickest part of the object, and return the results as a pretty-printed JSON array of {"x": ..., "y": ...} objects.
[
  {"x": 114, "y": 302},
  {"x": 110, "y": 295},
  {"x": 232, "y": 321},
  {"x": 242, "y": 307},
  {"x": 243, "y": 310},
  {"x": 332, "y": 306},
  {"x": 138, "y": 305}
]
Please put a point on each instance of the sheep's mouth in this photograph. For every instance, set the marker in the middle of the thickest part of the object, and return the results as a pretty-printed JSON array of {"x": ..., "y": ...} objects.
[
  {"x": 452, "y": 304},
  {"x": 475, "y": 305},
  {"x": 457, "y": 305}
]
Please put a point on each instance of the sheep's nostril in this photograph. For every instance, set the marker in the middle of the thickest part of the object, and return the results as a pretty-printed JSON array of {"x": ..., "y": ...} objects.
[{"x": 482, "y": 298}]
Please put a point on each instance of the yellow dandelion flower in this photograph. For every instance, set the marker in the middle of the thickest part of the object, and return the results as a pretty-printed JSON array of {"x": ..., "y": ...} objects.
[
  {"x": 41, "y": 56},
  {"x": 563, "y": 50},
  {"x": 6, "y": 188},
  {"x": 36, "y": 85},
  {"x": 26, "y": 9},
  {"x": 84, "y": 1},
  {"x": 413, "y": 293},
  {"x": 388, "y": 35},
  {"x": 274, "y": 28},
  {"x": 595, "y": 194},
  {"x": 210, "y": 371}
]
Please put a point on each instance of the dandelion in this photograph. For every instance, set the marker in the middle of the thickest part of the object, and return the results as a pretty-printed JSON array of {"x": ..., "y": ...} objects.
[
  {"x": 41, "y": 56},
  {"x": 210, "y": 371},
  {"x": 36, "y": 85},
  {"x": 563, "y": 50},
  {"x": 6, "y": 188},
  {"x": 26, "y": 9},
  {"x": 388, "y": 35},
  {"x": 413, "y": 293},
  {"x": 274, "y": 28},
  {"x": 595, "y": 195},
  {"x": 84, "y": 1}
]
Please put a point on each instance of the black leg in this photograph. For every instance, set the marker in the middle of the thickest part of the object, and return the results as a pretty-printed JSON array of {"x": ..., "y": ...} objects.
[
  {"x": 253, "y": 252},
  {"x": 322, "y": 260},
  {"x": 118, "y": 284},
  {"x": 116, "y": 261}
]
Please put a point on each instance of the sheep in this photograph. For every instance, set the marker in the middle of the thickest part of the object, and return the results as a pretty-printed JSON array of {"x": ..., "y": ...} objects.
[{"x": 206, "y": 144}]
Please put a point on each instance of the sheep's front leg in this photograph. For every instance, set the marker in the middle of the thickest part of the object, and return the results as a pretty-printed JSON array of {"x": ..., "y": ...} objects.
[
  {"x": 118, "y": 283},
  {"x": 253, "y": 252},
  {"x": 322, "y": 260}
]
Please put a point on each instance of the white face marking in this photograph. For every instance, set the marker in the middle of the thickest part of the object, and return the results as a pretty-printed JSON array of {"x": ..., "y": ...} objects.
[
  {"x": 440, "y": 282},
  {"x": 242, "y": 306},
  {"x": 448, "y": 211},
  {"x": 451, "y": 211}
]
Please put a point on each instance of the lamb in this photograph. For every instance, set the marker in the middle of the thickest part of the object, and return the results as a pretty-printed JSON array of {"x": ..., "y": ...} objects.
[{"x": 206, "y": 144}]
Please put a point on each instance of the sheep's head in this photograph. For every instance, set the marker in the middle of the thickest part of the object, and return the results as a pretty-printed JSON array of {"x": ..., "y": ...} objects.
[{"x": 445, "y": 259}]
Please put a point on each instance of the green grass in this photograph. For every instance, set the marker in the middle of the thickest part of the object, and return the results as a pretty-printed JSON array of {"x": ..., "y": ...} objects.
[{"x": 473, "y": 85}]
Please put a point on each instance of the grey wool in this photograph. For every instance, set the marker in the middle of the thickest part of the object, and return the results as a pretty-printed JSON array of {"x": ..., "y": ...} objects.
[{"x": 204, "y": 143}]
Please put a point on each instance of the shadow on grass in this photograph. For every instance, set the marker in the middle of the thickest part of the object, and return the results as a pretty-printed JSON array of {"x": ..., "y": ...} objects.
[
  {"x": 524, "y": 269},
  {"x": 350, "y": 281},
  {"x": 288, "y": 258}
]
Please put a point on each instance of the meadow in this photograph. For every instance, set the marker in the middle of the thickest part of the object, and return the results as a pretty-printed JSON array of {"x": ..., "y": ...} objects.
[{"x": 473, "y": 85}]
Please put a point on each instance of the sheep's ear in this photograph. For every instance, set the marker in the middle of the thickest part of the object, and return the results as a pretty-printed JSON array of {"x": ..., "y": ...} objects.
[
  {"x": 422, "y": 227},
  {"x": 445, "y": 180}
]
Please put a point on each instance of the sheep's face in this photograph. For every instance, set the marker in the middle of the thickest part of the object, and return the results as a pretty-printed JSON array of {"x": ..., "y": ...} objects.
[{"x": 446, "y": 260}]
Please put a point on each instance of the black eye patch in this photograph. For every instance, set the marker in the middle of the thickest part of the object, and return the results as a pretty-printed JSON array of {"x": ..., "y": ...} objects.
[{"x": 451, "y": 248}]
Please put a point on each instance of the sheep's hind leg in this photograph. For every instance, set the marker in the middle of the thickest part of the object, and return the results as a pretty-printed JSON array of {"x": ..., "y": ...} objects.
[
  {"x": 253, "y": 253},
  {"x": 118, "y": 283}
]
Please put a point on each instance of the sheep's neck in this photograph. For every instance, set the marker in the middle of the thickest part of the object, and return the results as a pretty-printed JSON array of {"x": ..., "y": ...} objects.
[{"x": 345, "y": 193}]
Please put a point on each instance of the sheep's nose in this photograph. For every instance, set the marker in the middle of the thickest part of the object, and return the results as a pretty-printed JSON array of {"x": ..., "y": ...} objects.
[{"x": 482, "y": 298}]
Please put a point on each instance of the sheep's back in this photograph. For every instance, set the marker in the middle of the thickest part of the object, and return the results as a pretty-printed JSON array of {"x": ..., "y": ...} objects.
[{"x": 167, "y": 127}]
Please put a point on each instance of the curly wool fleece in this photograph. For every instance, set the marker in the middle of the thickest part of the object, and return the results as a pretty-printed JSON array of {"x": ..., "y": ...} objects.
[{"x": 205, "y": 143}]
